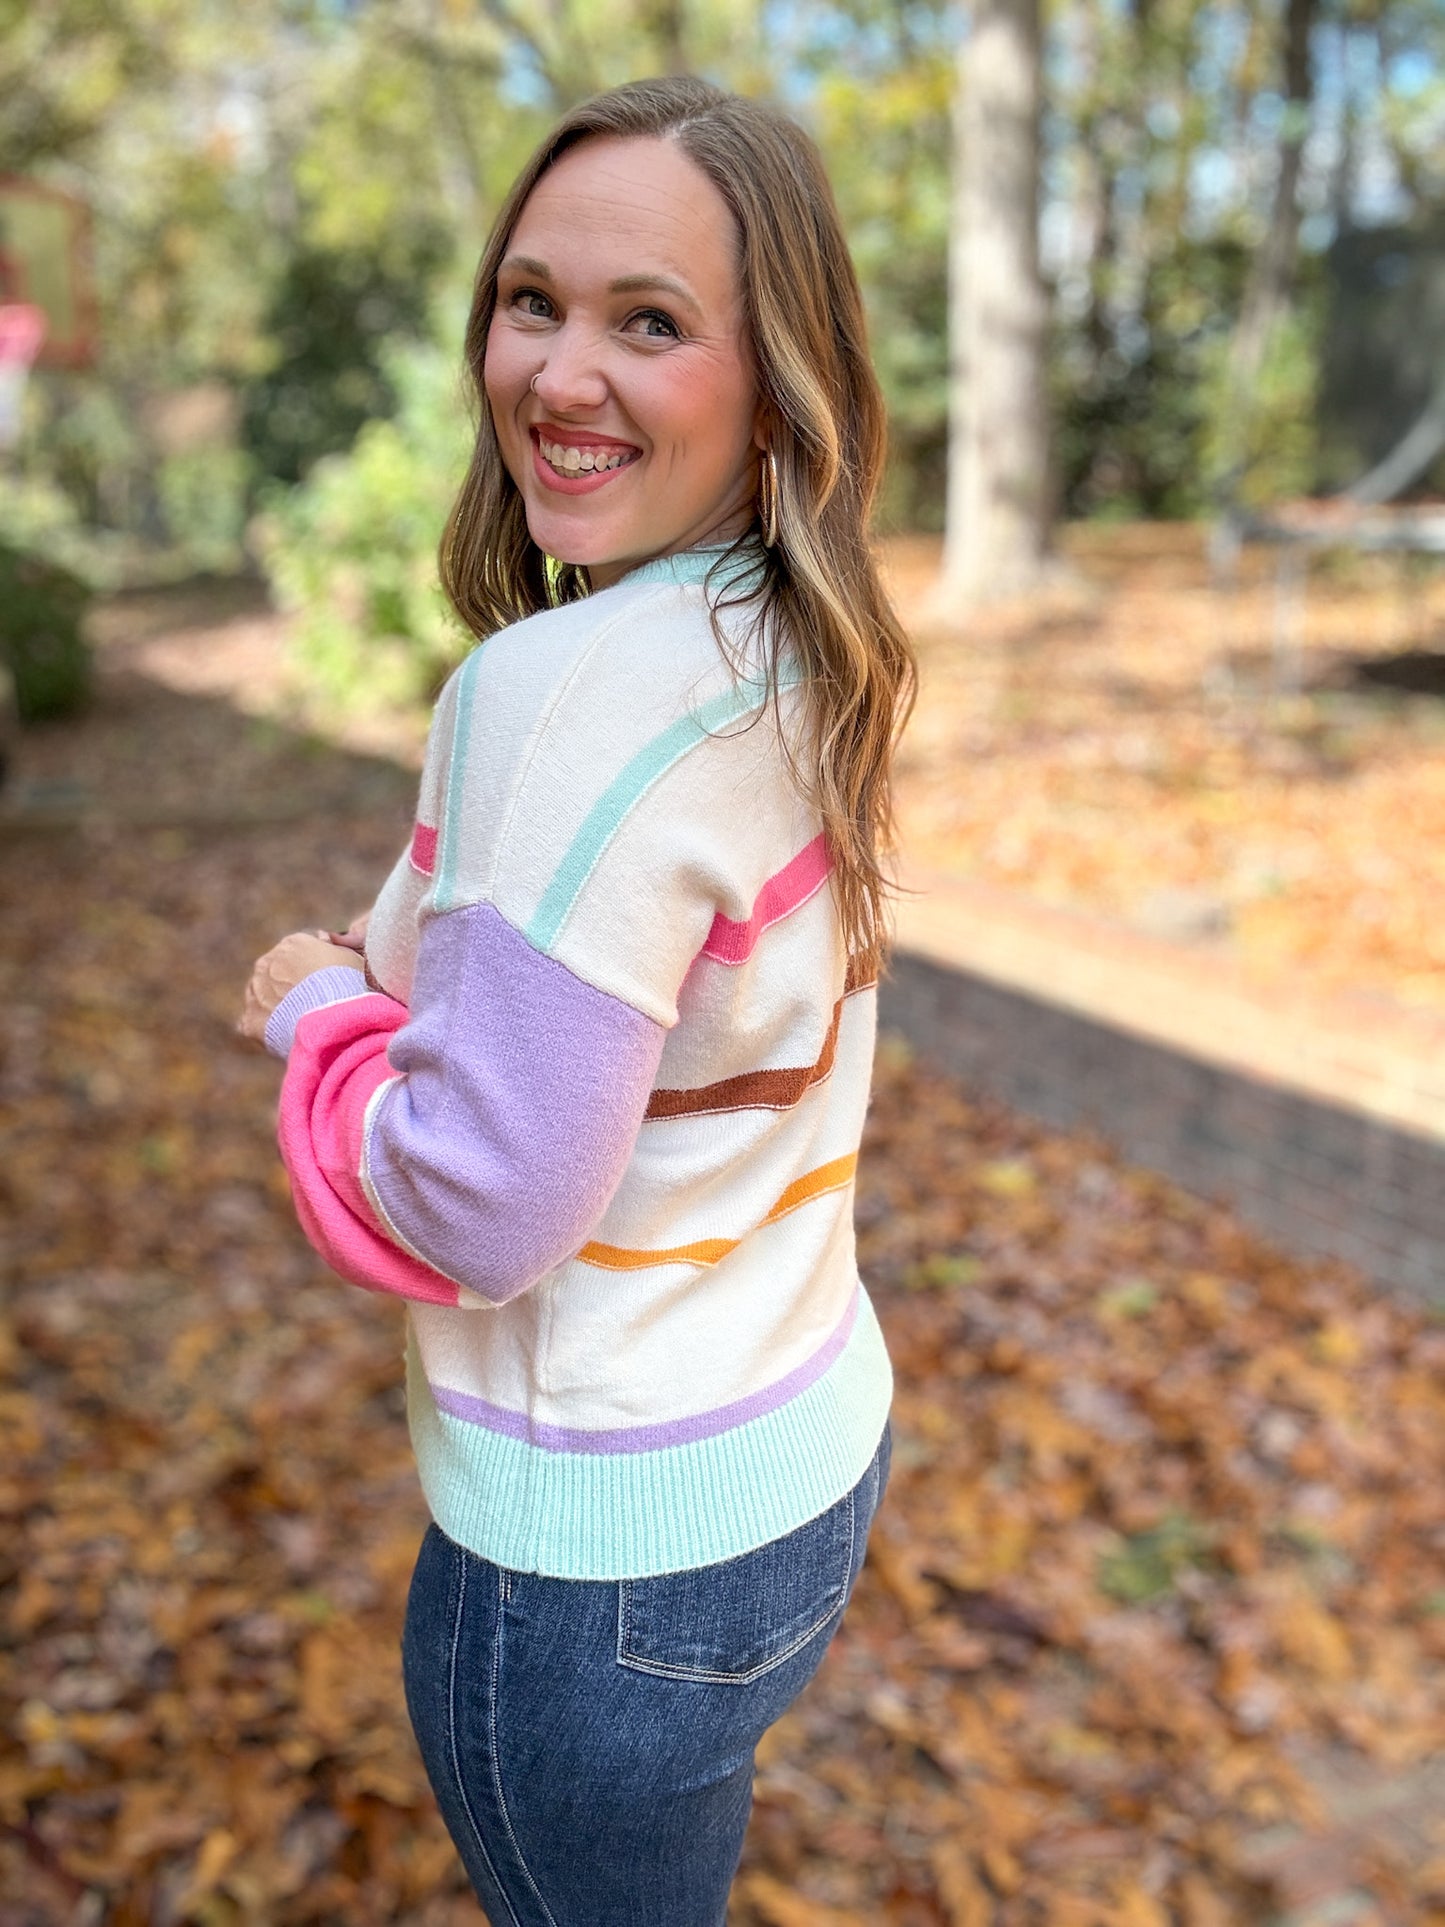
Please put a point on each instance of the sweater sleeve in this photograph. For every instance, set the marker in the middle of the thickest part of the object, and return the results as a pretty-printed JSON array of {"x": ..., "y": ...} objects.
[
  {"x": 468, "y": 1145},
  {"x": 459, "y": 1148}
]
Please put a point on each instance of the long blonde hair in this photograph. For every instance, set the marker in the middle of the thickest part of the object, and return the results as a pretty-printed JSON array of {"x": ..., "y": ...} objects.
[{"x": 819, "y": 593}]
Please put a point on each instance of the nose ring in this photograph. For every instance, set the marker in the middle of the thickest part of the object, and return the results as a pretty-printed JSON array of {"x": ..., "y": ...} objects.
[{"x": 532, "y": 384}]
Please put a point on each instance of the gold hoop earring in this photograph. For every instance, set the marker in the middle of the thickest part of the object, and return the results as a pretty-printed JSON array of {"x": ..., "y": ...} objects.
[{"x": 768, "y": 499}]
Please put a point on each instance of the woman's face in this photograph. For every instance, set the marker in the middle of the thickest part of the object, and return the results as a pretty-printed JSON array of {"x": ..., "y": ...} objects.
[{"x": 620, "y": 385}]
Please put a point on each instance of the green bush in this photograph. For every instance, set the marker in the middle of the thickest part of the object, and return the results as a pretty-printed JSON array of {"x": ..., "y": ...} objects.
[
  {"x": 1281, "y": 447},
  {"x": 351, "y": 551},
  {"x": 202, "y": 494},
  {"x": 38, "y": 518},
  {"x": 328, "y": 327},
  {"x": 42, "y": 608},
  {"x": 1150, "y": 433}
]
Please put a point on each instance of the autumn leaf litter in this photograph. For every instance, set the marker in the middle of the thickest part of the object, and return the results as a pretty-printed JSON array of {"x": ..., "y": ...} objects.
[{"x": 1161, "y": 1551}]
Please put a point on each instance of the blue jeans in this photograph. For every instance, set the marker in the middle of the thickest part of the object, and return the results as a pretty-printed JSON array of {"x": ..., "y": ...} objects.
[{"x": 590, "y": 1742}]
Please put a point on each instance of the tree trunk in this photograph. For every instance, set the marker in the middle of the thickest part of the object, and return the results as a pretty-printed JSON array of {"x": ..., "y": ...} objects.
[{"x": 998, "y": 456}]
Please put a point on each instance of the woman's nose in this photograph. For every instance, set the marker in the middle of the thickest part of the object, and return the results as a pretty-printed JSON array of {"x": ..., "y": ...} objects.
[{"x": 571, "y": 377}]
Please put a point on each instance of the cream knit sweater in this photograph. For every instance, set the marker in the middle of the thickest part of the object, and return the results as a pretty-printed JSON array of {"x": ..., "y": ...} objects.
[{"x": 597, "y": 1112}]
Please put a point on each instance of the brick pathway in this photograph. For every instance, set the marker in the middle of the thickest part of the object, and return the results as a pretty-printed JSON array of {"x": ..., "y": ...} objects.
[
  {"x": 1362, "y": 1052},
  {"x": 1321, "y": 1119}
]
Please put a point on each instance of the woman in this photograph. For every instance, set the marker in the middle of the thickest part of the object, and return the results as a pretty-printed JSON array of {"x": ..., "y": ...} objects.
[{"x": 595, "y": 1105}]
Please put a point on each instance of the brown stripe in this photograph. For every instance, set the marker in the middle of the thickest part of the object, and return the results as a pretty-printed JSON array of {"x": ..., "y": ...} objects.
[
  {"x": 760, "y": 1090},
  {"x": 855, "y": 980}
]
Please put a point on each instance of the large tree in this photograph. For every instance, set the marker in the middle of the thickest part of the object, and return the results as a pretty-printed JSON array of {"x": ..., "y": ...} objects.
[{"x": 997, "y": 535}]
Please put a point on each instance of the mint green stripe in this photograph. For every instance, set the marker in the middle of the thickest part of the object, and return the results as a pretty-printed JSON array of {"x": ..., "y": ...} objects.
[
  {"x": 686, "y": 566},
  {"x": 622, "y": 794},
  {"x": 585, "y": 1516},
  {"x": 444, "y": 889}
]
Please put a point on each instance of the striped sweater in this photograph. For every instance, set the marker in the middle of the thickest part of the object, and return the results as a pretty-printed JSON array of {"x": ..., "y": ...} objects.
[{"x": 595, "y": 1107}]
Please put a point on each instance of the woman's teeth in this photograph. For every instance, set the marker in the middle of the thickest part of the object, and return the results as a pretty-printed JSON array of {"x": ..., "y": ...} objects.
[{"x": 584, "y": 461}]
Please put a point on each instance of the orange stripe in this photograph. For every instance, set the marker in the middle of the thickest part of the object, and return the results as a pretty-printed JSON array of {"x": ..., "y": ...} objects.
[
  {"x": 832, "y": 1176},
  {"x": 707, "y": 1251},
  {"x": 827, "y": 1177}
]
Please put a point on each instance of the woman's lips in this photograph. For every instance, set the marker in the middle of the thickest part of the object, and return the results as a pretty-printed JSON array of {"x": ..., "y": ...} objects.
[{"x": 580, "y": 481}]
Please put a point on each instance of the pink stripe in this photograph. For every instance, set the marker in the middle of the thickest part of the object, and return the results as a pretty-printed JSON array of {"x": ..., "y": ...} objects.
[
  {"x": 337, "y": 1061},
  {"x": 730, "y": 942},
  {"x": 424, "y": 849}
]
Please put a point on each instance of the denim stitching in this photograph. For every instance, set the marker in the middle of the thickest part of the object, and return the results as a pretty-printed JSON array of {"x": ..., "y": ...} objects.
[
  {"x": 461, "y": 1561},
  {"x": 504, "y": 1593},
  {"x": 661, "y": 1669},
  {"x": 624, "y": 1620}
]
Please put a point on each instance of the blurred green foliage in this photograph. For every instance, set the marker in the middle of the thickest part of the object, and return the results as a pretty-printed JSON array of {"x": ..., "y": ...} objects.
[
  {"x": 1146, "y": 1566},
  {"x": 283, "y": 192},
  {"x": 38, "y": 518},
  {"x": 352, "y": 550},
  {"x": 41, "y": 640},
  {"x": 332, "y": 316},
  {"x": 884, "y": 125},
  {"x": 1282, "y": 452}
]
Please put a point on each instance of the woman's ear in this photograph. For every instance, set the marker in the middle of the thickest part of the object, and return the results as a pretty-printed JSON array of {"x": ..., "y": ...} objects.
[{"x": 763, "y": 428}]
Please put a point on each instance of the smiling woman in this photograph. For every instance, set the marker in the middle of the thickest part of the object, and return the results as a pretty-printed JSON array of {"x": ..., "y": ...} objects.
[
  {"x": 587, "y": 1084},
  {"x": 641, "y": 377}
]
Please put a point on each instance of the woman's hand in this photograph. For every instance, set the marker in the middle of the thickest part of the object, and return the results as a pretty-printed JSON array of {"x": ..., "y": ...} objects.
[
  {"x": 353, "y": 937},
  {"x": 283, "y": 967}
]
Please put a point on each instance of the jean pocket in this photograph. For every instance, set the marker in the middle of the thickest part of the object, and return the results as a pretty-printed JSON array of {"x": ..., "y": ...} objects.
[{"x": 728, "y": 1624}]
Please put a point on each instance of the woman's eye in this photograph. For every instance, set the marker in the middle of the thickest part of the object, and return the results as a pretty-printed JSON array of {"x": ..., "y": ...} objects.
[
  {"x": 653, "y": 323},
  {"x": 529, "y": 302}
]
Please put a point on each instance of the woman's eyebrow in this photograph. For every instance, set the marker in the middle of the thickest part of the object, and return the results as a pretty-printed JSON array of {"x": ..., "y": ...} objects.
[
  {"x": 648, "y": 283},
  {"x": 525, "y": 264}
]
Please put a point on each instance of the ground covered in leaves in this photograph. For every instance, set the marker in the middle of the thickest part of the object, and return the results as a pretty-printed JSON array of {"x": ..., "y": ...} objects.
[
  {"x": 1135, "y": 743},
  {"x": 1152, "y": 1628}
]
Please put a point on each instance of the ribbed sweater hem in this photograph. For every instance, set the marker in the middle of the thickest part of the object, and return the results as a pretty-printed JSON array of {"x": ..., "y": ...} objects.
[{"x": 631, "y": 1516}]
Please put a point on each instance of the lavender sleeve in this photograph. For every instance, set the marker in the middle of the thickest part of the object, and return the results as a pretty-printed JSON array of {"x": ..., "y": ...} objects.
[{"x": 519, "y": 1094}]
